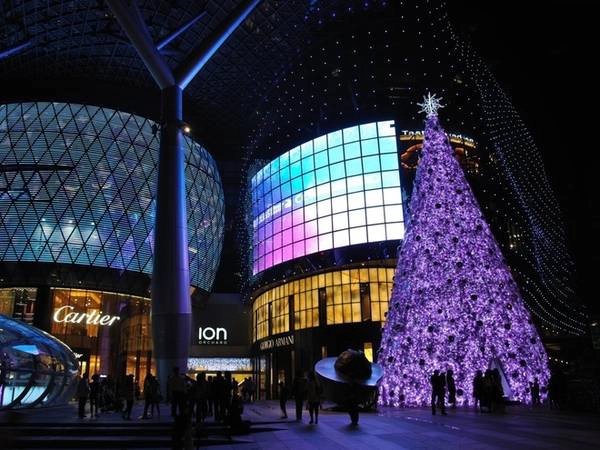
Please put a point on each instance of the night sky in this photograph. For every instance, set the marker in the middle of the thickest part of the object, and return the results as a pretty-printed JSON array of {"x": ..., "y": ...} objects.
[{"x": 543, "y": 58}]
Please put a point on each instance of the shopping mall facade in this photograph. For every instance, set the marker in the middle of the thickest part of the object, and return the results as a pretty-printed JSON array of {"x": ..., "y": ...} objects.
[{"x": 77, "y": 202}]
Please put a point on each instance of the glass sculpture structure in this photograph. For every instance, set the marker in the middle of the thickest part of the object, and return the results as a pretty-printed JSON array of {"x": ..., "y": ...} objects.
[
  {"x": 339, "y": 189},
  {"x": 454, "y": 302},
  {"x": 78, "y": 183},
  {"x": 36, "y": 369}
]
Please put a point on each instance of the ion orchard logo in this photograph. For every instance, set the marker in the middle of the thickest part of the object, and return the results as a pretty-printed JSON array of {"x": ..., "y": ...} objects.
[
  {"x": 213, "y": 336},
  {"x": 93, "y": 318}
]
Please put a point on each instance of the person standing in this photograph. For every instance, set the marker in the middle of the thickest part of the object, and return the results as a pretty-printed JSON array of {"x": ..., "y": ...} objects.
[
  {"x": 177, "y": 389},
  {"x": 155, "y": 396},
  {"x": 94, "y": 395},
  {"x": 210, "y": 389},
  {"x": 284, "y": 394},
  {"x": 438, "y": 392},
  {"x": 478, "y": 389},
  {"x": 313, "y": 397},
  {"x": 148, "y": 394},
  {"x": 535, "y": 392},
  {"x": 129, "y": 396},
  {"x": 299, "y": 393},
  {"x": 201, "y": 396},
  {"x": 352, "y": 399},
  {"x": 83, "y": 392},
  {"x": 451, "y": 388}
]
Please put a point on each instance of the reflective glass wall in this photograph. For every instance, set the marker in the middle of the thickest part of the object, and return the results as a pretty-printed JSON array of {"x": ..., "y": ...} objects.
[
  {"x": 78, "y": 185},
  {"x": 35, "y": 368}
]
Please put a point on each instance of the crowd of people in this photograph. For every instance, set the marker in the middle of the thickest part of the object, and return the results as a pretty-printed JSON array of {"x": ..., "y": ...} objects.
[
  {"x": 106, "y": 395},
  {"x": 220, "y": 397},
  {"x": 488, "y": 393}
]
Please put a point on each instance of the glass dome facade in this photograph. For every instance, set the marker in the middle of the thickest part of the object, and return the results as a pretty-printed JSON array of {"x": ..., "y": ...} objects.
[
  {"x": 78, "y": 184},
  {"x": 36, "y": 369}
]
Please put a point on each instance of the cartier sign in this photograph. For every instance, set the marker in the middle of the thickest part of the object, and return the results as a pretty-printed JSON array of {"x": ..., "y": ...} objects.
[{"x": 67, "y": 315}]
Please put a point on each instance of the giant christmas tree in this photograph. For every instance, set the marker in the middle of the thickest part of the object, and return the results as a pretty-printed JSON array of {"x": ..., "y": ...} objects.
[{"x": 454, "y": 303}]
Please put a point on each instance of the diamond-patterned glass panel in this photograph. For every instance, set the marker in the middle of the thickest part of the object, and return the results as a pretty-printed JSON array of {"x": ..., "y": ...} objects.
[{"x": 77, "y": 186}]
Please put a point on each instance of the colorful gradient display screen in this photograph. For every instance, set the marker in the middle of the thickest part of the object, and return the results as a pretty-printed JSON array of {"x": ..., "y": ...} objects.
[{"x": 340, "y": 189}]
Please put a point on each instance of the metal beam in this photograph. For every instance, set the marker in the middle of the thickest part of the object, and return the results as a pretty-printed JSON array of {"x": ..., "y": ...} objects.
[
  {"x": 130, "y": 19},
  {"x": 169, "y": 37},
  {"x": 15, "y": 49},
  {"x": 200, "y": 56}
]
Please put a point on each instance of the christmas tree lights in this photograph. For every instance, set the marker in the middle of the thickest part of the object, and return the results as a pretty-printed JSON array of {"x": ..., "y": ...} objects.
[{"x": 454, "y": 304}]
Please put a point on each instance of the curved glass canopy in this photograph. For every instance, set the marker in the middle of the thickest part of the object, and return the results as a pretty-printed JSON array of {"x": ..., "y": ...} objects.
[{"x": 36, "y": 369}]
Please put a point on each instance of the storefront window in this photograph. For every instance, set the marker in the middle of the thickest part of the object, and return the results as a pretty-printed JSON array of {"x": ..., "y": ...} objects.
[
  {"x": 18, "y": 303},
  {"x": 111, "y": 332},
  {"x": 347, "y": 293}
]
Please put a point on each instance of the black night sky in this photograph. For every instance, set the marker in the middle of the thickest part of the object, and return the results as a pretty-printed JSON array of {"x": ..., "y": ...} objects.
[{"x": 543, "y": 56}]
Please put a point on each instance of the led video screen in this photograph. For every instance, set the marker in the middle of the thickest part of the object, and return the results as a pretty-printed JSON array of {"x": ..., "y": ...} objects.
[{"x": 340, "y": 189}]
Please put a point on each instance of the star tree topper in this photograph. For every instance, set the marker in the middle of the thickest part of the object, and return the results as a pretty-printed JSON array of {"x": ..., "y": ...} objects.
[{"x": 430, "y": 105}]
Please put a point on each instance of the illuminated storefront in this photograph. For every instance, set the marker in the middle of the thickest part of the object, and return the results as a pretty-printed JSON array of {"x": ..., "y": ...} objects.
[
  {"x": 110, "y": 331},
  {"x": 300, "y": 321}
]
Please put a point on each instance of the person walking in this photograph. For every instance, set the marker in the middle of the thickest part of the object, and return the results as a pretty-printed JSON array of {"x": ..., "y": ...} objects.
[
  {"x": 438, "y": 392},
  {"x": 95, "y": 390},
  {"x": 451, "y": 388},
  {"x": 299, "y": 393},
  {"x": 83, "y": 392},
  {"x": 284, "y": 394},
  {"x": 128, "y": 396},
  {"x": 313, "y": 397}
]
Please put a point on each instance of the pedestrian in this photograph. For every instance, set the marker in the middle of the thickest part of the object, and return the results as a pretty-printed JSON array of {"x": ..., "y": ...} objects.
[
  {"x": 535, "y": 392},
  {"x": 251, "y": 389},
  {"x": 352, "y": 397},
  {"x": 497, "y": 392},
  {"x": 201, "y": 397},
  {"x": 177, "y": 390},
  {"x": 299, "y": 393},
  {"x": 83, "y": 392},
  {"x": 95, "y": 390},
  {"x": 129, "y": 396},
  {"x": 210, "y": 395},
  {"x": 478, "y": 389},
  {"x": 148, "y": 395},
  {"x": 218, "y": 387},
  {"x": 313, "y": 397},
  {"x": 451, "y": 388},
  {"x": 284, "y": 394},
  {"x": 245, "y": 389},
  {"x": 438, "y": 392}
]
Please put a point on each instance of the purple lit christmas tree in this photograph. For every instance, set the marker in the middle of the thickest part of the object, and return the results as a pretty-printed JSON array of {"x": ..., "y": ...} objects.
[{"x": 454, "y": 303}]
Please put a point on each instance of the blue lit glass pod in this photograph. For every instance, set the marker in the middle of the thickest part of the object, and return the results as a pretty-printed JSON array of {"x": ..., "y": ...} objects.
[
  {"x": 77, "y": 186},
  {"x": 36, "y": 369}
]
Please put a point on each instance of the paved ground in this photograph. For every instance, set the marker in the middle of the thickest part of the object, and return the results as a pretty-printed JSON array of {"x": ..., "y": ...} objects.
[{"x": 518, "y": 428}]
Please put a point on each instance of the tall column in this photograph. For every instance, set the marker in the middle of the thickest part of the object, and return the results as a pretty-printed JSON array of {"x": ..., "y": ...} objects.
[{"x": 171, "y": 305}]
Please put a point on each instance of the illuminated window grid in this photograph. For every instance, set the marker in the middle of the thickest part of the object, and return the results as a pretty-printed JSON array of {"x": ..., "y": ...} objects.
[
  {"x": 46, "y": 216},
  {"x": 342, "y": 299},
  {"x": 261, "y": 317},
  {"x": 337, "y": 190}
]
